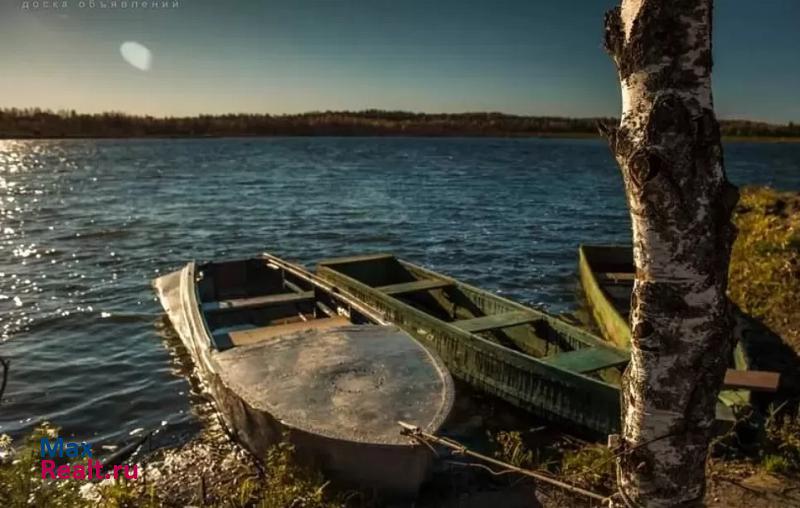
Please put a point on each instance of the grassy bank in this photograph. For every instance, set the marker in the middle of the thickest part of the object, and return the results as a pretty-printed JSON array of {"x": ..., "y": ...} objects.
[{"x": 765, "y": 264}]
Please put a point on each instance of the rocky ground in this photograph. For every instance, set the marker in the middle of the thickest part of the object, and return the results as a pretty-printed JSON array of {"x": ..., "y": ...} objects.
[{"x": 744, "y": 484}]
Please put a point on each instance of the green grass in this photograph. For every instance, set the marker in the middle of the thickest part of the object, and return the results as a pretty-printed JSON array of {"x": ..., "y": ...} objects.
[
  {"x": 775, "y": 464},
  {"x": 288, "y": 485},
  {"x": 764, "y": 277},
  {"x": 20, "y": 482},
  {"x": 283, "y": 484},
  {"x": 782, "y": 442},
  {"x": 591, "y": 466}
]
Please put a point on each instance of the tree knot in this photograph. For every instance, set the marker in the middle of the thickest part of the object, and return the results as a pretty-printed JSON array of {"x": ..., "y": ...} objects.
[{"x": 645, "y": 164}]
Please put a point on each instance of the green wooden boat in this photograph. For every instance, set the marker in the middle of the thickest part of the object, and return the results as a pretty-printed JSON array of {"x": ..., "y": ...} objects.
[
  {"x": 607, "y": 274},
  {"x": 533, "y": 360}
]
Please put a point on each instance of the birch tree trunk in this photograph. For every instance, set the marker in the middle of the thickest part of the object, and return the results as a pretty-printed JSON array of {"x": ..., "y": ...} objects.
[{"x": 668, "y": 148}]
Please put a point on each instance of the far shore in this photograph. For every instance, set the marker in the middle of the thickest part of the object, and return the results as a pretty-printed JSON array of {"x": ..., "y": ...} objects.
[
  {"x": 34, "y": 123},
  {"x": 538, "y": 135}
]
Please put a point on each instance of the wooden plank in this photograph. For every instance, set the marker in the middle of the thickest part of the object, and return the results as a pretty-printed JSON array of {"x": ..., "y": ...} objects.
[
  {"x": 495, "y": 321},
  {"x": 587, "y": 359},
  {"x": 262, "y": 333},
  {"x": 414, "y": 286},
  {"x": 753, "y": 380},
  {"x": 258, "y": 302},
  {"x": 355, "y": 259}
]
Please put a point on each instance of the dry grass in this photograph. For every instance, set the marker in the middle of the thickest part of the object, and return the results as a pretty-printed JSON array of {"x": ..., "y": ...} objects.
[
  {"x": 588, "y": 465},
  {"x": 591, "y": 466},
  {"x": 782, "y": 444},
  {"x": 764, "y": 278}
]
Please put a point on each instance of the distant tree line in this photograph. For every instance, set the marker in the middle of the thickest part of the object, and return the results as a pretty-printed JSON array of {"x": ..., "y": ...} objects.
[{"x": 37, "y": 123}]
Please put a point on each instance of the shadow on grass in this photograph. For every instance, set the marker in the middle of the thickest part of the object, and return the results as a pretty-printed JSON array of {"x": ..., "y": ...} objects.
[{"x": 766, "y": 350}]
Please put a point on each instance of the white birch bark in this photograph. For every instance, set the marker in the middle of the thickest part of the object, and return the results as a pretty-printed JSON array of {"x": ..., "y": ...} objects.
[{"x": 668, "y": 148}]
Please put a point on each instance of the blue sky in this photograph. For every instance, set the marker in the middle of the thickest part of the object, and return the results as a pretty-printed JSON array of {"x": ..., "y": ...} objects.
[{"x": 514, "y": 56}]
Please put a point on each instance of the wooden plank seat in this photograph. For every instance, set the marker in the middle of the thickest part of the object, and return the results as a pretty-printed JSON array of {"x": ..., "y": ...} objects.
[
  {"x": 588, "y": 359},
  {"x": 247, "y": 336},
  {"x": 256, "y": 302},
  {"x": 753, "y": 380},
  {"x": 495, "y": 321},
  {"x": 414, "y": 286}
]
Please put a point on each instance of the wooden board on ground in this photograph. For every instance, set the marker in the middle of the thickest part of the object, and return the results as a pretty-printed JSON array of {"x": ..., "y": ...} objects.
[{"x": 753, "y": 380}]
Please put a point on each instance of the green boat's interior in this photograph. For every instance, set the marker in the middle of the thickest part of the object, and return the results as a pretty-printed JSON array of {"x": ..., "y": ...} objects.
[
  {"x": 475, "y": 311},
  {"x": 250, "y": 301},
  {"x": 613, "y": 268}
]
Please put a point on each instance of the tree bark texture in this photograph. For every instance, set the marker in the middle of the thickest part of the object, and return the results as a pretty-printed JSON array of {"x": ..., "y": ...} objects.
[{"x": 668, "y": 148}]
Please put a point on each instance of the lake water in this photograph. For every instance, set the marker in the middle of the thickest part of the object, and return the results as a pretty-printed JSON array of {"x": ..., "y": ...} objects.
[{"x": 85, "y": 225}]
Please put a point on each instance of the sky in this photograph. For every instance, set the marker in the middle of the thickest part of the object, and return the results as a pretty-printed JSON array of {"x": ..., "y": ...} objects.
[{"x": 528, "y": 57}]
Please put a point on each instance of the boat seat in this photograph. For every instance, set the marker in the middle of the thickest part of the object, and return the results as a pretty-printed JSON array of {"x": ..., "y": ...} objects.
[
  {"x": 263, "y": 333},
  {"x": 414, "y": 286},
  {"x": 495, "y": 321},
  {"x": 753, "y": 380},
  {"x": 256, "y": 302},
  {"x": 588, "y": 359}
]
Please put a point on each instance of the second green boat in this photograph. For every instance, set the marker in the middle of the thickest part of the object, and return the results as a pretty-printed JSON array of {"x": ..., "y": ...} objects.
[
  {"x": 535, "y": 361},
  {"x": 607, "y": 275}
]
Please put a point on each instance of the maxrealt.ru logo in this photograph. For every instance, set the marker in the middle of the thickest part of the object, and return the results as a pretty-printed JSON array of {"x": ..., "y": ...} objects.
[{"x": 91, "y": 470}]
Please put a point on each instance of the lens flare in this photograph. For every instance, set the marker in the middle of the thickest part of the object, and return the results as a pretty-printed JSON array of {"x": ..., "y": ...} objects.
[{"x": 137, "y": 55}]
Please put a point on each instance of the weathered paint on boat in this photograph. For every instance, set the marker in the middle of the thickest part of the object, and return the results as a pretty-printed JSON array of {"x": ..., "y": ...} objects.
[
  {"x": 524, "y": 356},
  {"x": 276, "y": 388},
  {"x": 606, "y": 274}
]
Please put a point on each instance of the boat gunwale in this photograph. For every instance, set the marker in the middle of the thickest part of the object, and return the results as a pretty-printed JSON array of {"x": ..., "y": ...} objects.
[{"x": 587, "y": 276}]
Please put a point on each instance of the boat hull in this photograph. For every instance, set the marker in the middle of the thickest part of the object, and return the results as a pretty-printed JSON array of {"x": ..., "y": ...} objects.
[{"x": 393, "y": 469}]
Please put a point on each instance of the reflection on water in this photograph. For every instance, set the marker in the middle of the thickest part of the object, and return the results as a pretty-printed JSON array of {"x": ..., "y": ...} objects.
[{"x": 85, "y": 225}]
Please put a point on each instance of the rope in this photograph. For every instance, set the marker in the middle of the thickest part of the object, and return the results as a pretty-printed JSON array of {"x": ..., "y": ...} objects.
[{"x": 416, "y": 433}]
